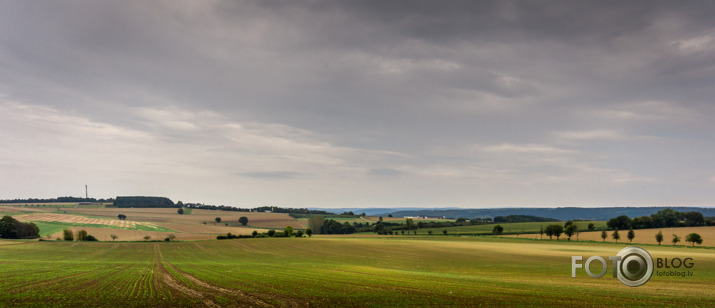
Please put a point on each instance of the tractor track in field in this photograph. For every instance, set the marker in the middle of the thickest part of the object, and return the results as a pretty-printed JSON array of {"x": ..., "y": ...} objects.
[{"x": 206, "y": 288}]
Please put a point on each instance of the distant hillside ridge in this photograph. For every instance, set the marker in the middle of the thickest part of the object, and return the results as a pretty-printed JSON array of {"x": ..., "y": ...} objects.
[
  {"x": 560, "y": 213},
  {"x": 522, "y": 218}
]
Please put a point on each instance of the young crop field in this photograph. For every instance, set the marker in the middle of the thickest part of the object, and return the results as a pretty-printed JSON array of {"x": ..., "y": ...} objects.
[{"x": 382, "y": 271}]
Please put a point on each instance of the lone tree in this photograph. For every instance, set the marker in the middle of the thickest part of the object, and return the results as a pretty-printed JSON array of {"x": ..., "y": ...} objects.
[
  {"x": 82, "y": 235},
  {"x": 171, "y": 237},
  {"x": 659, "y": 237},
  {"x": 675, "y": 239},
  {"x": 243, "y": 220},
  {"x": 271, "y": 232},
  {"x": 575, "y": 230},
  {"x": 122, "y": 217},
  {"x": 410, "y": 225},
  {"x": 498, "y": 229},
  {"x": 591, "y": 227},
  {"x": 604, "y": 235},
  {"x": 288, "y": 231},
  {"x": 309, "y": 232},
  {"x": 114, "y": 237},
  {"x": 631, "y": 235},
  {"x": 147, "y": 237},
  {"x": 615, "y": 235},
  {"x": 694, "y": 238},
  {"x": 180, "y": 211},
  {"x": 218, "y": 219},
  {"x": 316, "y": 222},
  {"x": 570, "y": 231},
  {"x": 541, "y": 232},
  {"x": 444, "y": 232},
  {"x": 67, "y": 235}
]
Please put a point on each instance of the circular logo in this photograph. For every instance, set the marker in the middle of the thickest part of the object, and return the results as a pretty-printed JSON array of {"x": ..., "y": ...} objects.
[{"x": 635, "y": 267}]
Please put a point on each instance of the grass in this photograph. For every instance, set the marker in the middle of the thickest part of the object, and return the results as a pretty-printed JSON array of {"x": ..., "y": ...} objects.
[
  {"x": 48, "y": 228},
  {"x": 386, "y": 271}
]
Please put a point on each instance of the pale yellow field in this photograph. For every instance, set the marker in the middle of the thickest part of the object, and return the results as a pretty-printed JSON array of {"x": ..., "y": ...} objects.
[
  {"x": 104, "y": 234},
  {"x": 643, "y": 236},
  {"x": 169, "y": 216},
  {"x": 49, "y": 217}
]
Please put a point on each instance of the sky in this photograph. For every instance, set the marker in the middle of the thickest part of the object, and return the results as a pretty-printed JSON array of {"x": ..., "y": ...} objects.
[{"x": 360, "y": 103}]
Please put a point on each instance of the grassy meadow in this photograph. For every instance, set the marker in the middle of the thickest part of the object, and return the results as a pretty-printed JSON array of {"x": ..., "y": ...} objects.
[{"x": 384, "y": 271}]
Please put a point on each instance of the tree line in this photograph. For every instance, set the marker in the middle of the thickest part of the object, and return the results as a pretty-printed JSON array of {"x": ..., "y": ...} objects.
[
  {"x": 56, "y": 200},
  {"x": 667, "y": 218},
  {"x": 287, "y": 232}
]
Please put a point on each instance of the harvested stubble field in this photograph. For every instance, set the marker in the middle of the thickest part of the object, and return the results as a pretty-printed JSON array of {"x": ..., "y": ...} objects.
[
  {"x": 155, "y": 222},
  {"x": 388, "y": 271},
  {"x": 197, "y": 217}
]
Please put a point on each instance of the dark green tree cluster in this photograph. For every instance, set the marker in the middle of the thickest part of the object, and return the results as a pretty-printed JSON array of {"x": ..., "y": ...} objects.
[
  {"x": 498, "y": 229},
  {"x": 143, "y": 202},
  {"x": 666, "y": 218},
  {"x": 82, "y": 235},
  {"x": 12, "y": 228},
  {"x": 331, "y": 226},
  {"x": 554, "y": 230}
]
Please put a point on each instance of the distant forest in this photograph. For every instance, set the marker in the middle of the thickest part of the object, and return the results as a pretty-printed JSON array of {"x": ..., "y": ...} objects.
[
  {"x": 58, "y": 199},
  {"x": 141, "y": 201}
]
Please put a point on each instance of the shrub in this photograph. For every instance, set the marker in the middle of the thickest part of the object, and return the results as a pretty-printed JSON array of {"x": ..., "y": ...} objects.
[
  {"x": 67, "y": 235},
  {"x": 82, "y": 235}
]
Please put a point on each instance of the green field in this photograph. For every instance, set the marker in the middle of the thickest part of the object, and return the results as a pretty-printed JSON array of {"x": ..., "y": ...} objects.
[
  {"x": 383, "y": 271},
  {"x": 509, "y": 228}
]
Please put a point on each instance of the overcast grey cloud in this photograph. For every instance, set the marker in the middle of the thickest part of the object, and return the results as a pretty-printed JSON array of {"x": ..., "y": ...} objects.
[{"x": 360, "y": 103}]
